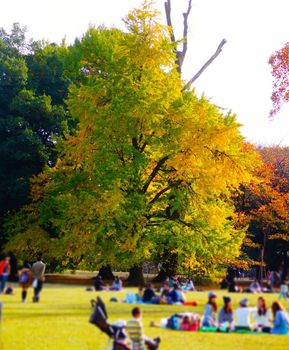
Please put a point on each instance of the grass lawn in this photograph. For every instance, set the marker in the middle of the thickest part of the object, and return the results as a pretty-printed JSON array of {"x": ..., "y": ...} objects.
[{"x": 60, "y": 321}]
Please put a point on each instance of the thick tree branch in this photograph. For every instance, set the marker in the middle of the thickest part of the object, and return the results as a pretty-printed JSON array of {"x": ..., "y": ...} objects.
[
  {"x": 154, "y": 173},
  {"x": 215, "y": 55},
  {"x": 136, "y": 144},
  {"x": 161, "y": 192},
  {"x": 180, "y": 54},
  {"x": 103, "y": 102}
]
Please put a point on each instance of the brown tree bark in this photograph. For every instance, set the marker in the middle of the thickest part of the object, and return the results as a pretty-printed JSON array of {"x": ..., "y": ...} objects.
[
  {"x": 136, "y": 277},
  {"x": 106, "y": 273}
]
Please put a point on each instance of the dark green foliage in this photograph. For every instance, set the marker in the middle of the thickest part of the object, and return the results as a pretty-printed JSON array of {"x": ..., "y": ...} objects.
[{"x": 33, "y": 88}]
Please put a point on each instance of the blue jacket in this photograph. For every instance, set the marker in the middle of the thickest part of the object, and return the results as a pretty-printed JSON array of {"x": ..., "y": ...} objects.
[
  {"x": 281, "y": 323},
  {"x": 176, "y": 296}
]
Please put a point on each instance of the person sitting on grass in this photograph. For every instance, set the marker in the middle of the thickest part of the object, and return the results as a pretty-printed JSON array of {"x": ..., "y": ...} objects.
[
  {"x": 149, "y": 294},
  {"x": 189, "y": 285},
  {"x": 116, "y": 285},
  {"x": 176, "y": 295},
  {"x": 209, "y": 318},
  {"x": 139, "y": 295},
  {"x": 98, "y": 284},
  {"x": 136, "y": 334},
  {"x": 254, "y": 287},
  {"x": 243, "y": 314},
  {"x": 226, "y": 315},
  {"x": 281, "y": 319},
  {"x": 262, "y": 316},
  {"x": 165, "y": 293}
]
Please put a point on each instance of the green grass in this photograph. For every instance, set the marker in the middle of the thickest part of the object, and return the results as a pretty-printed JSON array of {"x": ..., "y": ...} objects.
[{"x": 60, "y": 321}]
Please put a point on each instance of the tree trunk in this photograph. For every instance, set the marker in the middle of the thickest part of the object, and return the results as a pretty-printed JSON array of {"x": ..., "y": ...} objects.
[
  {"x": 136, "y": 277},
  {"x": 285, "y": 266},
  {"x": 106, "y": 273},
  {"x": 161, "y": 276},
  {"x": 13, "y": 268}
]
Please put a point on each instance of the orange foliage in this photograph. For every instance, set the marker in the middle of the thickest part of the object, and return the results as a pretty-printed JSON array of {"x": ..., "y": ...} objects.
[{"x": 279, "y": 62}]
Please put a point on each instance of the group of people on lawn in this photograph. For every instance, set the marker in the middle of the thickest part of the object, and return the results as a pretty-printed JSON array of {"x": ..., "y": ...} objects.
[
  {"x": 167, "y": 295},
  {"x": 274, "y": 320},
  {"x": 28, "y": 276},
  {"x": 99, "y": 285}
]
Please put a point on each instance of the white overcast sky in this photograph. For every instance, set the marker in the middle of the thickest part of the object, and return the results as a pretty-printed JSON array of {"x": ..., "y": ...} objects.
[{"x": 239, "y": 80}]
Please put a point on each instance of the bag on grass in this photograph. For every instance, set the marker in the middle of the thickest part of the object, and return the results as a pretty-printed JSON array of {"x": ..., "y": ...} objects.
[
  {"x": 34, "y": 283},
  {"x": 173, "y": 322}
]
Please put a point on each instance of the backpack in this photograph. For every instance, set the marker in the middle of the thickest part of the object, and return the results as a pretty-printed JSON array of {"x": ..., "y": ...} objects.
[
  {"x": 173, "y": 322},
  {"x": 24, "y": 277}
]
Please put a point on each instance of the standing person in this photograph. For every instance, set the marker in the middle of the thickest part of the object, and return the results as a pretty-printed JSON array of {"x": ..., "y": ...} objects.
[
  {"x": 4, "y": 272},
  {"x": 25, "y": 280},
  {"x": 243, "y": 314},
  {"x": 283, "y": 291},
  {"x": 38, "y": 269},
  {"x": 281, "y": 319},
  {"x": 136, "y": 334},
  {"x": 226, "y": 315},
  {"x": 209, "y": 318},
  {"x": 262, "y": 315}
]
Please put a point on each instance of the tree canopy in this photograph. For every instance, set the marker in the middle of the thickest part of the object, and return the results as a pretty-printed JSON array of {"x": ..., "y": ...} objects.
[
  {"x": 264, "y": 207},
  {"x": 150, "y": 170},
  {"x": 280, "y": 71}
]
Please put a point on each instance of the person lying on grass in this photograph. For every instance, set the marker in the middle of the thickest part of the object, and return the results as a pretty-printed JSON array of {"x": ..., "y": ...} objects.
[{"x": 188, "y": 321}]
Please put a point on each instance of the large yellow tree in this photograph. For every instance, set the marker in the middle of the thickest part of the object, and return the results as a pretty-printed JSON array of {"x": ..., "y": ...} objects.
[{"x": 149, "y": 173}]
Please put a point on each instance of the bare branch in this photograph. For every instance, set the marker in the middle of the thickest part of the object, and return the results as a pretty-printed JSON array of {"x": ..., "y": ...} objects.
[
  {"x": 205, "y": 66},
  {"x": 182, "y": 54},
  {"x": 169, "y": 19}
]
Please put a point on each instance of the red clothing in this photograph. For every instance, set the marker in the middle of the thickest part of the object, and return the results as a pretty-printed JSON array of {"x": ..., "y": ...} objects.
[
  {"x": 3, "y": 266},
  {"x": 189, "y": 327}
]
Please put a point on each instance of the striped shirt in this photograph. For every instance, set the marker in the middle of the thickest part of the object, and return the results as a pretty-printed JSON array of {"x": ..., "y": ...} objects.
[{"x": 135, "y": 332}]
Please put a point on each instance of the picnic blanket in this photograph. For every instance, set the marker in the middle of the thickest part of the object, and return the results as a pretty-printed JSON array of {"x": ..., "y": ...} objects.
[{"x": 224, "y": 329}]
